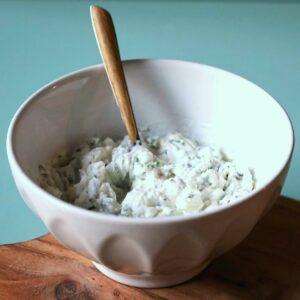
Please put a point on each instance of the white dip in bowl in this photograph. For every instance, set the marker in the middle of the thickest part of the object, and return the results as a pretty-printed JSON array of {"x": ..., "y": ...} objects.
[
  {"x": 212, "y": 106},
  {"x": 165, "y": 176}
]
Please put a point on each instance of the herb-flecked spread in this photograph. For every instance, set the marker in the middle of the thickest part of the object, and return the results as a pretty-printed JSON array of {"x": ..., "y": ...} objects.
[{"x": 172, "y": 175}]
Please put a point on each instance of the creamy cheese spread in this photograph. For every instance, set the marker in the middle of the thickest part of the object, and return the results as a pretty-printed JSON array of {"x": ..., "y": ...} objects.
[{"x": 172, "y": 175}]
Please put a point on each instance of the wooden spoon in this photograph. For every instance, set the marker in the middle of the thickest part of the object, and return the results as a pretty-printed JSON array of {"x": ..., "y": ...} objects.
[{"x": 108, "y": 46}]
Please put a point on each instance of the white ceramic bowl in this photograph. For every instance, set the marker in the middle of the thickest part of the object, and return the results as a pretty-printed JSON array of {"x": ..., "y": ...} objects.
[{"x": 208, "y": 103}]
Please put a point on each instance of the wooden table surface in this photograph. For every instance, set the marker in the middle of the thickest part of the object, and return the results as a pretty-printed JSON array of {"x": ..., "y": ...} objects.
[{"x": 264, "y": 266}]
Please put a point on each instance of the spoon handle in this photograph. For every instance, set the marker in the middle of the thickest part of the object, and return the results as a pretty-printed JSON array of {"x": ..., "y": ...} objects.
[{"x": 108, "y": 46}]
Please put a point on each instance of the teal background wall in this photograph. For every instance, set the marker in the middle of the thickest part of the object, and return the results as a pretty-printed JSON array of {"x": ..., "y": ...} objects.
[{"x": 42, "y": 40}]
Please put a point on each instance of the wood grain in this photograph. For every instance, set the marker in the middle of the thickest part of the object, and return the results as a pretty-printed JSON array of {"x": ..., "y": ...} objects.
[
  {"x": 265, "y": 266},
  {"x": 109, "y": 49}
]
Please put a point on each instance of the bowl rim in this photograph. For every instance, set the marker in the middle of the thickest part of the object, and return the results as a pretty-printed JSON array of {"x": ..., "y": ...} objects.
[{"x": 18, "y": 170}]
